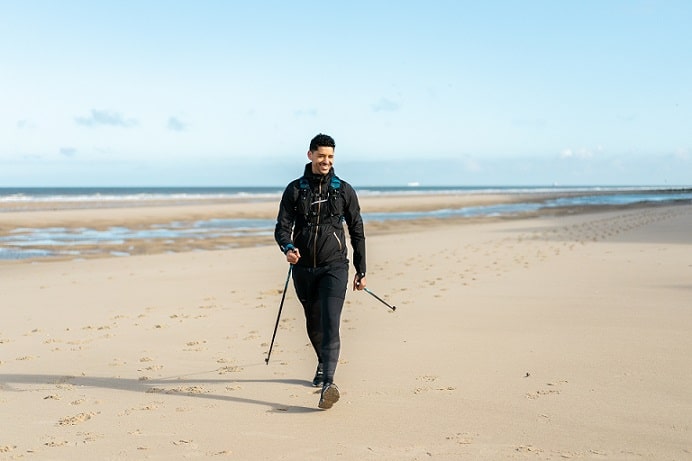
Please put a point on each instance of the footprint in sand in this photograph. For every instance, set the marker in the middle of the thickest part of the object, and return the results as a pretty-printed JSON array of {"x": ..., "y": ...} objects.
[
  {"x": 74, "y": 420},
  {"x": 528, "y": 449},
  {"x": 56, "y": 443},
  {"x": 27, "y": 357},
  {"x": 229, "y": 369},
  {"x": 462, "y": 438},
  {"x": 184, "y": 442},
  {"x": 553, "y": 389},
  {"x": 151, "y": 368},
  {"x": 90, "y": 437},
  {"x": 147, "y": 407},
  {"x": 117, "y": 363},
  {"x": 286, "y": 323},
  {"x": 431, "y": 379},
  {"x": 190, "y": 390},
  {"x": 251, "y": 336},
  {"x": 220, "y": 453},
  {"x": 211, "y": 305},
  {"x": 195, "y": 346}
]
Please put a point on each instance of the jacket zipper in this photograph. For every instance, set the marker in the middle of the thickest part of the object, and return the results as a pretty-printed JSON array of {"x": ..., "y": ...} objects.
[{"x": 317, "y": 226}]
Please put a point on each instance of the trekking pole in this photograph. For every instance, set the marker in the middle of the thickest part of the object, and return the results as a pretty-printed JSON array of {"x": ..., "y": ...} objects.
[
  {"x": 380, "y": 299},
  {"x": 281, "y": 306}
]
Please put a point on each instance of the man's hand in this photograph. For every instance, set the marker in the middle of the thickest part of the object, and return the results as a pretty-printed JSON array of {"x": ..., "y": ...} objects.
[
  {"x": 359, "y": 283},
  {"x": 293, "y": 255}
]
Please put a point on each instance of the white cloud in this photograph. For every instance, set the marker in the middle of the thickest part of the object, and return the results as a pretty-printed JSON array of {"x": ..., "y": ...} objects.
[
  {"x": 581, "y": 153},
  {"x": 385, "y": 105},
  {"x": 68, "y": 151},
  {"x": 306, "y": 113},
  {"x": 107, "y": 118},
  {"x": 175, "y": 124},
  {"x": 25, "y": 124},
  {"x": 683, "y": 154},
  {"x": 472, "y": 165},
  {"x": 628, "y": 118}
]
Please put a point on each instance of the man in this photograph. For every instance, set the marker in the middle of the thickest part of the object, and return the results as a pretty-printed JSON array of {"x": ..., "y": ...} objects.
[{"x": 310, "y": 232}]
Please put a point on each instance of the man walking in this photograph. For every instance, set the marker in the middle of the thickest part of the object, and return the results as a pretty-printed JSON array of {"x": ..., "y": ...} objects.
[{"x": 310, "y": 232}]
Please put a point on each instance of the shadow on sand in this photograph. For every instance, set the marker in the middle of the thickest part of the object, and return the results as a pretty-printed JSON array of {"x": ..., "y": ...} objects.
[{"x": 166, "y": 386}]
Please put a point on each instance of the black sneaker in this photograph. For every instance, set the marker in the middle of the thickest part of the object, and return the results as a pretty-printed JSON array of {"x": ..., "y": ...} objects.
[
  {"x": 318, "y": 380},
  {"x": 330, "y": 395}
]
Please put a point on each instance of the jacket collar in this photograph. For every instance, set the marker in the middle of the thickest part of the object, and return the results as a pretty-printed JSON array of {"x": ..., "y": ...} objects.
[{"x": 316, "y": 178}]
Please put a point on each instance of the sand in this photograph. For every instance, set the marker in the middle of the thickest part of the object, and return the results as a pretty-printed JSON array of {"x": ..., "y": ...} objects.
[{"x": 548, "y": 337}]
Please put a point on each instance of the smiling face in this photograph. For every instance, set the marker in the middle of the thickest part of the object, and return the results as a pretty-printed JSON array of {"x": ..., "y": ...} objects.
[{"x": 322, "y": 159}]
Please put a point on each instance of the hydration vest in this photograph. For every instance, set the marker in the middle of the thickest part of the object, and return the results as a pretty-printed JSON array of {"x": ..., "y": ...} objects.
[{"x": 325, "y": 208}]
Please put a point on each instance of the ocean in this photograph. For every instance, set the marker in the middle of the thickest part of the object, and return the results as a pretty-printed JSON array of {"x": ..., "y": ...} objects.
[{"x": 24, "y": 243}]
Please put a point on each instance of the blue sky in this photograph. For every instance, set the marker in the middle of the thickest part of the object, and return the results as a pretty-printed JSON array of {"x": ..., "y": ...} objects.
[{"x": 438, "y": 92}]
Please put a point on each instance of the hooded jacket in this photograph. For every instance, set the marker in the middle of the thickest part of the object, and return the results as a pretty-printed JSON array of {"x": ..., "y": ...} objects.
[{"x": 311, "y": 217}]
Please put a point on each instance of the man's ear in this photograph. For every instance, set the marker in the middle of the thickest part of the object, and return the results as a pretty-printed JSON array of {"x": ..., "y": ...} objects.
[{"x": 310, "y": 154}]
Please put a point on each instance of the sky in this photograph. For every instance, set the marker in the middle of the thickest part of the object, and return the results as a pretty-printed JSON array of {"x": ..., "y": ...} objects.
[{"x": 229, "y": 93}]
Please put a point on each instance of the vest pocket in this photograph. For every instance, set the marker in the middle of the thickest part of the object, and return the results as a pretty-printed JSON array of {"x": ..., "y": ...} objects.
[
  {"x": 337, "y": 240},
  {"x": 336, "y": 203}
]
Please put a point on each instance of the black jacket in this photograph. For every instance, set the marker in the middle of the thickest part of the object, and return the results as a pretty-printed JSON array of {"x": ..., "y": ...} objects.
[{"x": 311, "y": 216}]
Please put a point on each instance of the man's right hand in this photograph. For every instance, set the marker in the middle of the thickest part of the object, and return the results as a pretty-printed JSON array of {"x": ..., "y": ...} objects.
[{"x": 293, "y": 255}]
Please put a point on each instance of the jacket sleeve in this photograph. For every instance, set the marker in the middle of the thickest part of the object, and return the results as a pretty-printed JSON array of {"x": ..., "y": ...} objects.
[
  {"x": 355, "y": 228},
  {"x": 283, "y": 232}
]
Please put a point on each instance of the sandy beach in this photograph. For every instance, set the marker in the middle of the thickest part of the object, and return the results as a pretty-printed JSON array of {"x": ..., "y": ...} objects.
[{"x": 564, "y": 336}]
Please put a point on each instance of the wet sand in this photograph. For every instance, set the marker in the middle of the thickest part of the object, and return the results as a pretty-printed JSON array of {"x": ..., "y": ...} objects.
[{"x": 147, "y": 215}]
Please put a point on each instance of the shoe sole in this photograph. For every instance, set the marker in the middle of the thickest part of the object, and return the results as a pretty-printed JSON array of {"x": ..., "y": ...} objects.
[{"x": 329, "y": 397}]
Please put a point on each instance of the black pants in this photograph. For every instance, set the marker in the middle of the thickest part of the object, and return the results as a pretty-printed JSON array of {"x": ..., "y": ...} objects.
[{"x": 321, "y": 291}]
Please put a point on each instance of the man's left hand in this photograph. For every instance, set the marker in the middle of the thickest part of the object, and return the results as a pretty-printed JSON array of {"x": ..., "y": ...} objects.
[{"x": 359, "y": 283}]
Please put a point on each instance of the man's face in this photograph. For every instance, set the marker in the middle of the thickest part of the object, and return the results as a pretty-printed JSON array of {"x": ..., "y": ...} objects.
[{"x": 322, "y": 159}]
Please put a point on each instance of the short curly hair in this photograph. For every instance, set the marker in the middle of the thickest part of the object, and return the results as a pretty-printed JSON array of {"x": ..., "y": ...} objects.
[{"x": 322, "y": 140}]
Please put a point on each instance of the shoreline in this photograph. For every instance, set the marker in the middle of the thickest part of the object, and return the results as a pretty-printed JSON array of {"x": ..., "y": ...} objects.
[{"x": 144, "y": 215}]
